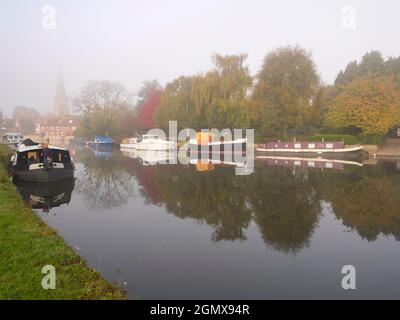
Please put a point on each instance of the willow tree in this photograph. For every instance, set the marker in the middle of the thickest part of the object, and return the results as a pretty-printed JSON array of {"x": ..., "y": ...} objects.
[
  {"x": 217, "y": 98},
  {"x": 231, "y": 82},
  {"x": 284, "y": 96},
  {"x": 179, "y": 103}
]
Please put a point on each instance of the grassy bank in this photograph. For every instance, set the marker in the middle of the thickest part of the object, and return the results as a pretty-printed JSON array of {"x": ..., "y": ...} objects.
[{"x": 27, "y": 244}]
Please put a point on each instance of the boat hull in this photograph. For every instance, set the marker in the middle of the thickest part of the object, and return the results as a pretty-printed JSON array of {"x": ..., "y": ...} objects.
[
  {"x": 127, "y": 146},
  {"x": 100, "y": 145},
  {"x": 43, "y": 175},
  {"x": 154, "y": 147}
]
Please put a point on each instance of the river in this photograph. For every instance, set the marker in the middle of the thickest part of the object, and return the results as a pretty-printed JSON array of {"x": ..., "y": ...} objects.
[{"x": 193, "y": 232}]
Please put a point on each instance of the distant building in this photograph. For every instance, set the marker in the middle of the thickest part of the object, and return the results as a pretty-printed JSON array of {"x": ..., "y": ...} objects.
[
  {"x": 57, "y": 127},
  {"x": 61, "y": 101},
  {"x": 8, "y": 125}
]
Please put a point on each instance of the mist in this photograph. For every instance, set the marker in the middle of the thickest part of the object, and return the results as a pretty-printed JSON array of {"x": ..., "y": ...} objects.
[{"x": 133, "y": 41}]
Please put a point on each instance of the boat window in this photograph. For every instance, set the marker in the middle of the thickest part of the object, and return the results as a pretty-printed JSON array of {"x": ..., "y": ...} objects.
[
  {"x": 27, "y": 158},
  {"x": 311, "y": 145},
  {"x": 33, "y": 156},
  {"x": 60, "y": 156}
]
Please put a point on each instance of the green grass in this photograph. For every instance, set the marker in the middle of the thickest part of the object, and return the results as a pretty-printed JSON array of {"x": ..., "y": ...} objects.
[
  {"x": 348, "y": 139},
  {"x": 27, "y": 244}
]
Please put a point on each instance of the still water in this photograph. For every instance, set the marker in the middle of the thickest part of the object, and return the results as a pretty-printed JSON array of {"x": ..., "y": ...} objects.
[{"x": 184, "y": 232}]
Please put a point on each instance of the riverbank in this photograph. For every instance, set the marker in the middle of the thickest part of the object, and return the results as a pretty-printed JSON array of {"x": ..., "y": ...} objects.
[{"x": 27, "y": 245}]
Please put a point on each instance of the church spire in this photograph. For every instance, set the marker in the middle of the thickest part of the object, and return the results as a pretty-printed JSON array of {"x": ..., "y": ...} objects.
[{"x": 61, "y": 103}]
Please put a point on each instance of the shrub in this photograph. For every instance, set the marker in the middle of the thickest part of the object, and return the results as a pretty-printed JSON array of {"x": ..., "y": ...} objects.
[
  {"x": 348, "y": 139},
  {"x": 371, "y": 138}
]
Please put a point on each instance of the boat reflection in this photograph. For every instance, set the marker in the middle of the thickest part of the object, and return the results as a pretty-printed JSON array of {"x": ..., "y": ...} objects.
[
  {"x": 46, "y": 195},
  {"x": 321, "y": 163},
  {"x": 207, "y": 164},
  {"x": 150, "y": 157}
]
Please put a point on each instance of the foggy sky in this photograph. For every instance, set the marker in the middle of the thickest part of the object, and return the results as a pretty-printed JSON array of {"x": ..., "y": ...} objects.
[{"x": 132, "y": 41}]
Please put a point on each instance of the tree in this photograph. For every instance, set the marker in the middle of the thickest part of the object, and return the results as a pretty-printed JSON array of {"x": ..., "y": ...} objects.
[
  {"x": 145, "y": 91},
  {"x": 351, "y": 72},
  {"x": 285, "y": 92},
  {"x": 26, "y": 119},
  {"x": 371, "y": 104},
  {"x": 148, "y": 108},
  {"x": 103, "y": 105},
  {"x": 216, "y": 99},
  {"x": 372, "y": 62},
  {"x": 231, "y": 82}
]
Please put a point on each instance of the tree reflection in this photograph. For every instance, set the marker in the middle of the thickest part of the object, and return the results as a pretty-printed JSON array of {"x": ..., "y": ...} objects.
[
  {"x": 145, "y": 176},
  {"x": 367, "y": 202},
  {"x": 216, "y": 198},
  {"x": 286, "y": 207},
  {"x": 104, "y": 183},
  {"x": 283, "y": 204}
]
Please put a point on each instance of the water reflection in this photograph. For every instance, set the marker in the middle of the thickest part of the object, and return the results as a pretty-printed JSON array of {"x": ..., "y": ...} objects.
[
  {"x": 45, "y": 196},
  {"x": 103, "y": 181},
  {"x": 285, "y": 231},
  {"x": 283, "y": 197},
  {"x": 368, "y": 201}
]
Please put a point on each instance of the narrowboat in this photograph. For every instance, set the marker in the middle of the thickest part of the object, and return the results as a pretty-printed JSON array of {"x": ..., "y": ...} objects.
[
  {"x": 29, "y": 163},
  {"x": 308, "y": 147},
  {"x": 206, "y": 143}
]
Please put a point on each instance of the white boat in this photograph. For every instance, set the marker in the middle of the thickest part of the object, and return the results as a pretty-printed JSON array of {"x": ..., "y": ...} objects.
[
  {"x": 154, "y": 143},
  {"x": 130, "y": 143},
  {"x": 12, "y": 138}
]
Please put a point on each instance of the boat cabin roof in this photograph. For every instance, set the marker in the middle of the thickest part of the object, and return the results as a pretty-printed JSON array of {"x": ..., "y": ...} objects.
[
  {"x": 103, "y": 138},
  {"x": 23, "y": 148}
]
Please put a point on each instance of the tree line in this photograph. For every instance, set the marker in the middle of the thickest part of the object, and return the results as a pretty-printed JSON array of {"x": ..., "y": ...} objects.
[{"x": 286, "y": 98}]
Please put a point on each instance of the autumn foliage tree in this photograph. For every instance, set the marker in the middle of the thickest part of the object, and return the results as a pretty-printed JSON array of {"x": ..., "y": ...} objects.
[
  {"x": 148, "y": 108},
  {"x": 371, "y": 104}
]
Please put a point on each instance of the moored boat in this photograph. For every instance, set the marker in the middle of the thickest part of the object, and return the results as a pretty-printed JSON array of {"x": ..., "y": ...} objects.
[
  {"x": 308, "y": 147},
  {"x": 129, "y": 143},
  {"x": 41, "y": 162},
  {"x": 206, "y": 143},
  {"x": 154, "y": 143},
  {"x": 11, "y": 138},
  {"x": 101, "y": 141}
]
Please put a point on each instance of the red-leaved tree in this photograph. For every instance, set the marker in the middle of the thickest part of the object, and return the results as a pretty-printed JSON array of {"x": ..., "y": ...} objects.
[{"x": 148, "y": 109}]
